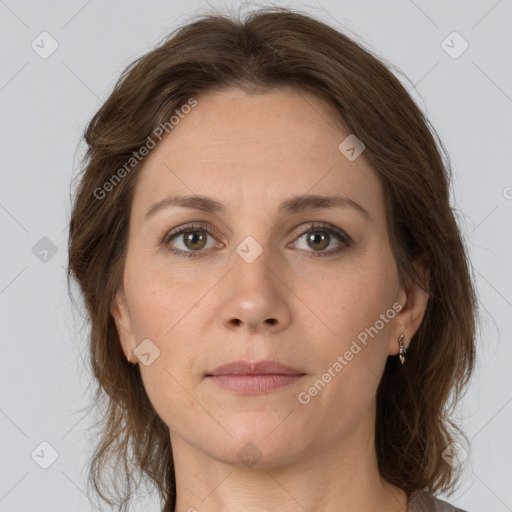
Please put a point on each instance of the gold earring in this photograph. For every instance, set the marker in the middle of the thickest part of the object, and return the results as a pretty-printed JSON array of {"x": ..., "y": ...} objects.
[{"x": 402, "y": 350}]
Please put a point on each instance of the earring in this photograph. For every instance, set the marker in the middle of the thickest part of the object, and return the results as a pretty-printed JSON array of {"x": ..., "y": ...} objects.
[
  {"x": 402, "y": 351},
  {"x": 128, "y": 356}
]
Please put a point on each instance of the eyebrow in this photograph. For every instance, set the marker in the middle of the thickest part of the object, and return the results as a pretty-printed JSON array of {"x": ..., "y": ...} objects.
[{"x": 292, "y": 205}]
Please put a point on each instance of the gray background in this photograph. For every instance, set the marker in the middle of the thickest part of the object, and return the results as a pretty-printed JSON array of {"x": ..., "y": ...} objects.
[{"x": 45, "y": 103}]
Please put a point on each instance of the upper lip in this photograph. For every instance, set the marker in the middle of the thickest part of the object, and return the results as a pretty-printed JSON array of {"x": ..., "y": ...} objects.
[{"x": 255, "y": 368}]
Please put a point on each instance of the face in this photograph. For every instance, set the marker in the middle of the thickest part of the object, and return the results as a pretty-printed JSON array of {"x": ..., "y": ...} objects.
[{"x": 309, "y": 284}]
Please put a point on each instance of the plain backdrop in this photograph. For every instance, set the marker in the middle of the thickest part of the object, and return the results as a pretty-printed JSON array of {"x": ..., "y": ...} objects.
[{"x": 50, "y": 89}]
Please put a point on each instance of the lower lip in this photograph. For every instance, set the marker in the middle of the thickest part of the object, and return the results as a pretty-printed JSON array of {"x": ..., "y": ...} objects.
[{"x": 253, "y": 383}]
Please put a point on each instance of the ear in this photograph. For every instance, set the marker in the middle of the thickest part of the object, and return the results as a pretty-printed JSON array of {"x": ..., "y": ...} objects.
[
  {"x": 121, "y": 314},
  {"x": 413, "y": 299}
]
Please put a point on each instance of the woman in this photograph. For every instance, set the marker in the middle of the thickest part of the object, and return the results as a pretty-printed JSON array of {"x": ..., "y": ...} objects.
[{"x": 280, "y": 300}]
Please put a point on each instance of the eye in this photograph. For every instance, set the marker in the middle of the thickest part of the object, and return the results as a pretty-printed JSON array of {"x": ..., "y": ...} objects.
[
  {"x": 193, "y": 239},
  {"x": 319, "y": 236}
]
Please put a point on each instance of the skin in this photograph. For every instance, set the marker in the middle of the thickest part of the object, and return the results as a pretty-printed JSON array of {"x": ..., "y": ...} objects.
[{"x": 251, "y": 152}]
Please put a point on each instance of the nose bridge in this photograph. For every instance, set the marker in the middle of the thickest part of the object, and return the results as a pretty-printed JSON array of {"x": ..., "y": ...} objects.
[{"x": 253, "y": 266}]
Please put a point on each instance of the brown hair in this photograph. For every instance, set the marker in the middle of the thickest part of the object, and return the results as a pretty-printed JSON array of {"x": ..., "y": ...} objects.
[{"x": 274, "y": 47}]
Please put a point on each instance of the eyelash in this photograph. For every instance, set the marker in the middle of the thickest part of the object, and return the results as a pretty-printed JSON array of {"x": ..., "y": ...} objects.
[{"x": 340, "y": 235}]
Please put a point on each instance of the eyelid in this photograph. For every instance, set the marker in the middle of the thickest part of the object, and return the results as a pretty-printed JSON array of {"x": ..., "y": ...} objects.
[{"x": 312, "y": 225}]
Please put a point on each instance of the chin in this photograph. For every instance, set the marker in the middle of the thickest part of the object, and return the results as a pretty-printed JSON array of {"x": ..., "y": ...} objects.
[{"x": 258, "y": 442}]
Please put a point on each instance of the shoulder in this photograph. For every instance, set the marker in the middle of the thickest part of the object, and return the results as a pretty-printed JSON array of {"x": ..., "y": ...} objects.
[{"x": 421, "y": 501}]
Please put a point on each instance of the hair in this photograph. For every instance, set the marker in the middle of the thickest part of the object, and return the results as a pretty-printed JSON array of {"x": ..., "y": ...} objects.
[{"x": 270, "y": 48}]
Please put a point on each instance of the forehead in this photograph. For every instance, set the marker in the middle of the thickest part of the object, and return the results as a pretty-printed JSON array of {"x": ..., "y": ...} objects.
[{"x": 247, "y": 150}]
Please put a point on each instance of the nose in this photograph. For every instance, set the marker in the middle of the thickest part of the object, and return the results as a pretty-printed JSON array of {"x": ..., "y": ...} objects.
[{"x": 255, "y": 296}]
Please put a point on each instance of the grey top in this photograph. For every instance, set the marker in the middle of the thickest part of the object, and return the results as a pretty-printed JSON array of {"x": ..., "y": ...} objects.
[{"x": 421, "y": 501}]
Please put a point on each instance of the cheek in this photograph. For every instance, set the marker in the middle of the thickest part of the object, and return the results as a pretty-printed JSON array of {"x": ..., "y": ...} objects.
[
  {"x": 351, "y": 297},
  {"x": 350, "y": 364},
  {"x": 159, "y": 298},
  {"x": 168, "y": 317},
  {"x": 358, "y": 310}
]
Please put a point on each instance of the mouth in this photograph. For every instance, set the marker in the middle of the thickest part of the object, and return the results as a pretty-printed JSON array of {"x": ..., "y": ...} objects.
[{"x": 254, "y": 377}]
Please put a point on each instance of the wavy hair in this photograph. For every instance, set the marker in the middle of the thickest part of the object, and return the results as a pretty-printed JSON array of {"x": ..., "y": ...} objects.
[{"x": 268, "y": 48}]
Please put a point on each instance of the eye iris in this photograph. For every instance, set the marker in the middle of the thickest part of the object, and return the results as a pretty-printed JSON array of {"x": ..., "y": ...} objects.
[
  {"x": 191, "y": 236},
  {"x": 316, "y": 236}
]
